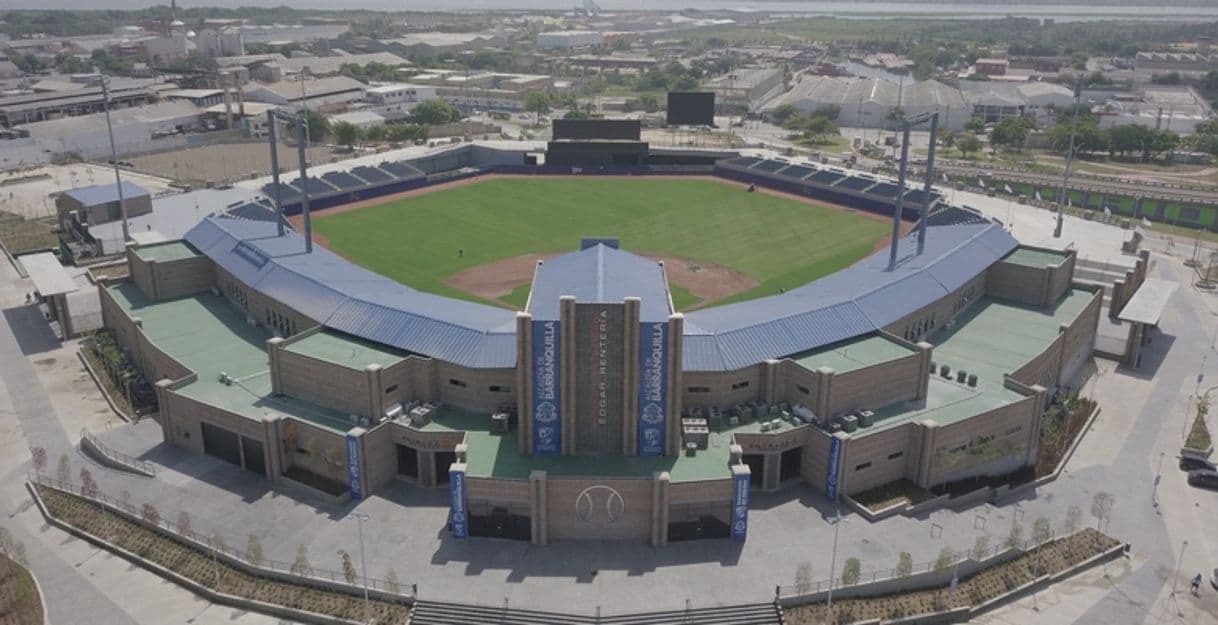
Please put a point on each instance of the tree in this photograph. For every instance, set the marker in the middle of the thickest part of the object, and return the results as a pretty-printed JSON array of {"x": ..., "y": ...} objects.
[
  {"x": 124, "y": 502},
  {"x": 968, "y": 142},
  {"x": 1015, "y": 537},
  {"x": 981, "y": 548},
  {"x": 184, "y": 524},
  {"x": 63, "y": 471},
  {"x": 348, "y": 567},
  {"x": 301, "y": 565},
  {"x": 782, "y": 113},
  {"x": 575, "y": 114},
  {"x": 391, "y": 582},
  {"x": 88, "y": 485},
  {"x": 1170, "y": 78},
  {"x": 68, "y": 63},
  {"x": 946, "y": 558},
  {"x": 345, "y": 133},
  {"x": 1078, "y": 60},
  {"x": 253, "y": 551},
  {"x": 1073, "y": 514},
  {"x": 434, "y": 112},
  {"x": 904, "y": 564},
  {"x": 150, "y": 514},
  {"x": 1011, "y": 132},
  {"x": 537, "y": 103},
  {"x": 1042, "y": 530},
  {"x": 318, "y": 126},
  {"x": 851, "y": 572},
  {"x": 38, "y": 455},
  {"x": 803, "y": 578},
  {"x": 975, "y": 125},
  {"x": 217, "y": 542},
  {"x": 948, "y": 138},
  {"x": 398, "y": 133}
]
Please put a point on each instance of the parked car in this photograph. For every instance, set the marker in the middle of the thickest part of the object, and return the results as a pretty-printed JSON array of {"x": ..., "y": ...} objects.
[
  {"x": 1214, "y": 579},
  {"x": 1196, "y": 464},
  {"x": 1204, "y": 479}
]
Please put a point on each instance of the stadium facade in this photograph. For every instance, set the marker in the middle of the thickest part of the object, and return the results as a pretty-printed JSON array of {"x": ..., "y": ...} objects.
[{"x": 598, "y": 411}]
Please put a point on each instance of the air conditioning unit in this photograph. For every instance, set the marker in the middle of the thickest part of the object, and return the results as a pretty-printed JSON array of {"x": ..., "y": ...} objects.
[
  {"x": 394, "y": 411},
  {"x": 945, "y": 371},
  {"x": 866, "y": 418},
  {"x": 850, "y": 423},
  {"x": 972, "y": 379},
  {"x": 961, "y": 376}
]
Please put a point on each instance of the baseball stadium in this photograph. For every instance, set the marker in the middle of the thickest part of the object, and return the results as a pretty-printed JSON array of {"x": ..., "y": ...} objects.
[{"x": 602, "y": 340}]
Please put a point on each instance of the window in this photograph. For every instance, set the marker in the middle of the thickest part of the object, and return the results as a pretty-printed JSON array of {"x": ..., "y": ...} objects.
[
  {"x": 495, "y": 388},
  {"x": 1014, "y": 430},
  {"x": 391, "y": 388},
  {"x": 894, "y": 456},
  {"x": 456, "y": 382},
  {"x": 865, "y": 465},
  {"x": 803, "y": 389},
  {"x": 739, "y": 385},
  {"x": 698, "y": 389}
]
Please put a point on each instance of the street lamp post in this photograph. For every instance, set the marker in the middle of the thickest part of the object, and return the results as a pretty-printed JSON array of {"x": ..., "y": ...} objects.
[
  {"x": 360, "y": 517},
  {"x": 118, "y": 178},
  {"x": 837, "y": 523}
]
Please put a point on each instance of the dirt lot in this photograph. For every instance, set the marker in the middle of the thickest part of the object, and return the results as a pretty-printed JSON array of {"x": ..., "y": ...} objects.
[{"x": 229, "y": 161}]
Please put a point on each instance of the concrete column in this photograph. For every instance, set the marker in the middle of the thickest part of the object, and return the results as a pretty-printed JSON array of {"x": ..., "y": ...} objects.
[
  {"x": 1133, "y": 345},
  {"x": 926, "y": 351},
  {"x": 272, "y": 433},
  {"x": 769, "y": 381},
  {"x": 359, "y": 482},
  {"x": 770, "y": 471},
  {"x": 376, "y": 393},
  {"x": 1116, "y": 302},
  {"x": 524, "y": 382},
  {"x": 824, "y": 392},
  {"x": 566, "y": 308},
  {"x": 273, "y": 347},
  {"x": 659, "y": 509},
  {"x": 630, "y": 376},
  {"x": 65, "y": 317},
  {"x": 1046, "y": 285},
  {"x": 926, "y": 455},
  {"x": 676, "y": 381},
  {"x": 1038, "y": 410},
  {"x": 1063, "y": 355},
  {"x": 537, "y": 510},
  {"x": 162, "y": 402}
]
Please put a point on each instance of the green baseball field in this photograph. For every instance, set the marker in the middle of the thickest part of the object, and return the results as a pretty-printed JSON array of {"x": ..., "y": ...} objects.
[{"x": 480, "y": 240}]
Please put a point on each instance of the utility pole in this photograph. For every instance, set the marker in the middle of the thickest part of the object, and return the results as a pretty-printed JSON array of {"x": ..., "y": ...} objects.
[
  {"x": 360, "y": 517},
  {"x": 930, "y": 178},
  {"x": 837, "y": 523},
  {"x": 118, "y": 178},
  {"x": 1061, "y": 194}
]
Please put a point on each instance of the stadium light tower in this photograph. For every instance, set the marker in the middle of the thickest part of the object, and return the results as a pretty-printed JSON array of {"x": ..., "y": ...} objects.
[
  {"x": 302, "y": 142},
  {"x": 118, "y": 178},
  {"x": 907, "y": 124},
  {"x": 1061, "y": 193}
]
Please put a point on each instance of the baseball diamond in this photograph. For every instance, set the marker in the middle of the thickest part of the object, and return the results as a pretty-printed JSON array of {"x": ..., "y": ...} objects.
[{"x": 605, "y": 402}]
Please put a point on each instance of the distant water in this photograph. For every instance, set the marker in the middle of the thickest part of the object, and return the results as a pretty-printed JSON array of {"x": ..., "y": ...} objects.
[{"x": 862, "y": 10}]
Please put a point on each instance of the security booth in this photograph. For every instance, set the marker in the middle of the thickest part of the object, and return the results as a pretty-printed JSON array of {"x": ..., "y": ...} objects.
[{"x": 52, "y": 284}]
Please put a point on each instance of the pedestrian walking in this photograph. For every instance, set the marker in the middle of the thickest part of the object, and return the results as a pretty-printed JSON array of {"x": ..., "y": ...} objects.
[
  {"x": 1196, "y": 584},
  {"x": 460, "y": 252}
]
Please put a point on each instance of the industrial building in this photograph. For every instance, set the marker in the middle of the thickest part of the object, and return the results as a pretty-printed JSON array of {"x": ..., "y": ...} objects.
[
  {"x": 597, "y": 411},
  {"x": 569, "y": 40},
  {"x": 745, "y": 88}
]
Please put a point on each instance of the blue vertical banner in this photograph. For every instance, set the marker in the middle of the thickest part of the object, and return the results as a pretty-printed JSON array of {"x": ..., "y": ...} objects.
[
  {"x": 835, "y": 462},
  {"x": 547, "y": 393},
  {"x": 653, "y": 387},
  {"x": 740, "y": 505},
  {"x": 353, "y": 472},
  {"x": 458, "y": 517}
]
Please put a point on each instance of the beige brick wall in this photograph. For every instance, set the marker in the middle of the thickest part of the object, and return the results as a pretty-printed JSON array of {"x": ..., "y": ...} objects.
[
  {"x": 960, "y": 451},
  {"x": 476, "y": 394},
  {"x": 254, "y": 304},
  {"x": 796, "y": 385},
  {"x": 563, "y": 524},
  {"x": 183, "y": 277},
  {"x": 153, "y": 363},
  {"x": 721, "y": 393},
  {"x": 815, "y": 458},
  {"x": 186, "y": 414},
  {"x": 1078, "y": 342},
  {"x": 1018, "y": 283},
  {"x": 141, "y": 273},
  {"x": 1044, "y": 368},
  {"x": 325, "y": 384},
  {"x": 868, "y": 460},
  {"x": 414, "y": 377},
  {"x": 314, "y": 449},
  {"x": 876, "y": 386},
  {"x": 380, "y": 456}
]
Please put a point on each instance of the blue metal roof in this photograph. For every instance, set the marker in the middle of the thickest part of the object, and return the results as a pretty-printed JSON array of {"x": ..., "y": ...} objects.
[
  {"x": 859, "y": 299},
  {"x": 600, "y": 274},
  {"x": 105, "y": 193},
  {"x": 351, "y": 299}
]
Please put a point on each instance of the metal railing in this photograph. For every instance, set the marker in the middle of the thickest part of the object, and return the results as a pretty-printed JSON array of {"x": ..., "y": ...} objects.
[
  {"x": 264, "y": 567},
  {"x": 880, "y": 575},
  {"x": 114, "y": 455}
]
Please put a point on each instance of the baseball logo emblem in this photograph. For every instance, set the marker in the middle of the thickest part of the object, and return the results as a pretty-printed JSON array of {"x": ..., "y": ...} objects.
[
  {"x": 546, "y": 412},
  {"x": 599, "y": 506}
]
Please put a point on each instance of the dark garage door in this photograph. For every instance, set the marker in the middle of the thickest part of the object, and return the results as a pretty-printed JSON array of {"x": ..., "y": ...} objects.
[
  {"x": 221, "y": 443},
  {"x": 756, "y": 464},
  {"x": 408, "y": 461},
  {"x": 254, "y": 459},
  {"x": 444, "y": 460},
  {"x": 789, "y": 467}
]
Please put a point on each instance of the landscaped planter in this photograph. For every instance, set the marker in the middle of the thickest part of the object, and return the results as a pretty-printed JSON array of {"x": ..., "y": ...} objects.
[{"x": 1202, "y": 454}]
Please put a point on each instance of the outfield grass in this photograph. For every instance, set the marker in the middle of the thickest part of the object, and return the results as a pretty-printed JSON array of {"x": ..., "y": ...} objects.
[{"x": 779, "y": 242}]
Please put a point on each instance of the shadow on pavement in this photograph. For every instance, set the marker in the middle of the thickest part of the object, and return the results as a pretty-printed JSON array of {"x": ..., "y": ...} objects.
[{"x": 32, "y": 331}]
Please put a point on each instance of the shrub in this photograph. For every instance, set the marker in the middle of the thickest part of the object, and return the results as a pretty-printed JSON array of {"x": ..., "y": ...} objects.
[
  {"x": 301, "y": 565},
  {"x": 1015, "y": 538},
  {"x": 803, "y": 578},
  {"x": 981, "y": 548},
  {"x": 851, "y": 571},
  {"x": 904, "y": 564},
  {"x": 348, "y": 568},
  {"x": 946, "y": 558},
  {"x": 253, "y": 551}
]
